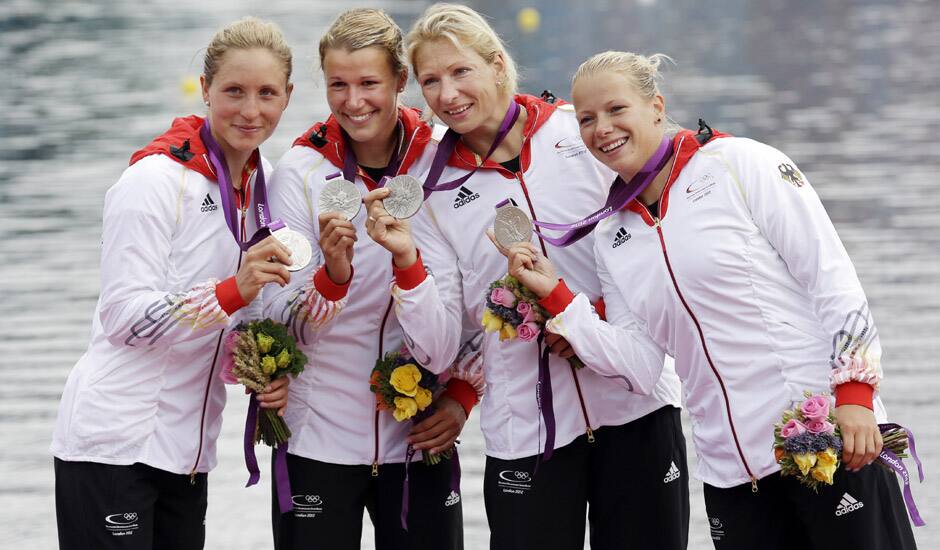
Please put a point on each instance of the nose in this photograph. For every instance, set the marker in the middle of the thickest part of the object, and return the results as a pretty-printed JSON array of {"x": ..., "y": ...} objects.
[
  {"x": 603, "y": 127},
  {"x": 448, "y": 91},
  {"x": 251, "y": 107},
  {"x": 354, "y": 98}
]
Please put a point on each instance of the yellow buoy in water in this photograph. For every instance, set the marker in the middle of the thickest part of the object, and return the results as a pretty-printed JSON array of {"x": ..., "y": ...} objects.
[
  {"x": 189, "y": 86},
  {"x": 528, "y": 20}
]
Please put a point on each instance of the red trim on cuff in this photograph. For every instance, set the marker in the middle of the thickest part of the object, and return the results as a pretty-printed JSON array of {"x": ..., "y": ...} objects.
[
  {"x": 558, "y": 300},
  {"x": 601, "y": 308},
  {"x": 229, "y": 297},
  {"x": 462, "y": 392},
  {"x": 407, "y": 278},
  {"x": 327, "y": 288},
  {"x": 855, "y": 393}
]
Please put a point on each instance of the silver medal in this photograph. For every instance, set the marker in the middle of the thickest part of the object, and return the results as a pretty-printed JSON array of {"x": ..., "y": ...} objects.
[
  {"x": 299, "y": 247},
  {"x": 339, "y": 195},
  {"x": 511, "y": 226},
  {"x": 405, "y": 198}
]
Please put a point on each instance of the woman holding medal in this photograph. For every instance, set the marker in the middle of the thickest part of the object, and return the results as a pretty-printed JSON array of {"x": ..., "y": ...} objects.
[
  {"x": 141, "y": 410},
  {"x": 593, "y": 443},
  {"x": 345, "y": 455},
  {"x": 727, "y": 261}
]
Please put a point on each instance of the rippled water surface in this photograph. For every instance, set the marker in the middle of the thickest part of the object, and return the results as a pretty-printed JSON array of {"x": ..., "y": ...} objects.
[{"x": 848, "y": 89}]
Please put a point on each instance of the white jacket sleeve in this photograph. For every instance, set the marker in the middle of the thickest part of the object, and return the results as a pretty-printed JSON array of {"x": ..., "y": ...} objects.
[
  {"x": 792, "y": 218},
  {"x": 430, "y": 314},
  {"x": 619, "y": 348},
  {"x": 300, "y": 305},
  {"x": 136, "y": 309}
]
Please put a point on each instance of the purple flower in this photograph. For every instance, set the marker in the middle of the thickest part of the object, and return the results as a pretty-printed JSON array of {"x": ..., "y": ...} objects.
[
  {"x": 816, "y": 408},
  {"x": 527, "y": 331},
  {"x": 503, "y": 297},
  {"x": 791, "y": 428}
]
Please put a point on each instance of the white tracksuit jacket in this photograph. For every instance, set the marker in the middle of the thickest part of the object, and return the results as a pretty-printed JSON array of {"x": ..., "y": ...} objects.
[
  {"x": 745, "y": 282},
  {"x": 147, "y": 389},
  {"x": 559, "y": 181},
  {"x": 331, "y": 411}
]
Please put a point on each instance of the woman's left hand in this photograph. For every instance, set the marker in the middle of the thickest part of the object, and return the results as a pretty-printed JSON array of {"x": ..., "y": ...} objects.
[
  {"x": 861, "y": 438},
  {"x": 275, "y": 395},
  {"x": 393, "y": 234},
  {"x": 438, "y": 432}
]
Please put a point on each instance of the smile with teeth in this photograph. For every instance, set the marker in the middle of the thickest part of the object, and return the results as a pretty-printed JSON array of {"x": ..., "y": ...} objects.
[
  {"x": 459, "y": 110},
  {"x": 362, "y": 117},
  {"x": 611, "y": 146}
]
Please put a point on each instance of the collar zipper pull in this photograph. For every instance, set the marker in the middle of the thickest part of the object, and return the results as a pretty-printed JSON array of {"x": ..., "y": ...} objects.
[
  {"x": 590, "y": 434},
  {"x": 753, "y": 484},
  {"x": 192, "y": 477}
]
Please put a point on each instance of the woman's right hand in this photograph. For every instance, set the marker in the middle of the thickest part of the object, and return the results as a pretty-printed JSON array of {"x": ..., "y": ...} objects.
[
  {"x": 529, "y": 266},
  {"x": 337, "y": 237},
  {"x": 265, "y": 262}
]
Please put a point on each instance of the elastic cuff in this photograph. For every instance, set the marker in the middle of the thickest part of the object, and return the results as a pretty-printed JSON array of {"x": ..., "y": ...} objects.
[
  {"x": 558, "y": 300},
  {"x": 230, "y": 299},
  {"x": 601, "y": 308},
  {"x": 462, "y": 392},
  {"x": 409, "y": 277},
  {"x": 855, "y": 393},
  {"x": 327, "y": 288}
]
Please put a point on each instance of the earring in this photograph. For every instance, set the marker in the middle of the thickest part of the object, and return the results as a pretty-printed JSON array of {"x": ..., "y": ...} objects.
[
  {"x": 499, "y": 83},
  {"x": 206, "y": 102}
]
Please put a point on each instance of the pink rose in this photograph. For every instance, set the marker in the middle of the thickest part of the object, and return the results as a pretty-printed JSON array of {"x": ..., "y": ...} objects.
[
  {"x": 818, "y": 426},
  {"x": 527, "y": 331},
  {"x": 792, "y": 427},
  {"x": 816, "y": 408},
  {"x": 525, "y": 309},
  {"x": 503, "y": 297}
]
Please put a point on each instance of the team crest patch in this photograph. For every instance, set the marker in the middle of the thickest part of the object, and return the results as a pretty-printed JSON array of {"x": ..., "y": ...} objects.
[{"x": 791, "y": 175}]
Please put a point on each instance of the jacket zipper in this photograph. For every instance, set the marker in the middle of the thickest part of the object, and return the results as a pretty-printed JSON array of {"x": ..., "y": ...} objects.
[
  {"x": 218, "y": 343},
  {"x": 375, "y": 457},
  {"x": 701, "y": 335},
  {"x": 574, "y": 373}
]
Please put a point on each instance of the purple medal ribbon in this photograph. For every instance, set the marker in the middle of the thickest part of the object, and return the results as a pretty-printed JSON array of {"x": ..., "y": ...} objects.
[
  {"x": 260, "y": 195},
  {"x": 449, "y": 142},
  {"x": 281, "y": 477},
  {"x": 892, "y": 461},
  {"x": 620, "y": 195},
  {"x": 351, "y": 163},
  {"x": 543, "y": 398}
]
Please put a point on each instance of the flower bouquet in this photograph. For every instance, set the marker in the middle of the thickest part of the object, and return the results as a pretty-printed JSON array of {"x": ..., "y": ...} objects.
[
  {"x": 255, "y": 354},
  {"x": 514, "y": 311},
  {"x": 407, "y": 390},
  {"x": 808, "y": 444}
]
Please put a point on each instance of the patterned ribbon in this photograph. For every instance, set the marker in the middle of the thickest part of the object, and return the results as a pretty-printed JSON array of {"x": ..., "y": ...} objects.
[
  {"x": 543, "y": 398},
  {"x": 281, "y": 477},
  {"x": 892, "y": 461},
  {"x": 409, "y": 456}
]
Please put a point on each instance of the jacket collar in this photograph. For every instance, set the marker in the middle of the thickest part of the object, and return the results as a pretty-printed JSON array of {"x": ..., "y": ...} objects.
[{"x": 181, "y": 142}]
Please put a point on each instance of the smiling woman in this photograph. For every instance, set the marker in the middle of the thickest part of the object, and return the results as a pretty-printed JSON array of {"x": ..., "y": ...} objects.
[{"x": 141, "y": 411}]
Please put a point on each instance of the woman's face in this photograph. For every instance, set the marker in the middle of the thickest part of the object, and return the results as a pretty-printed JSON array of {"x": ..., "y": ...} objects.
[
  {"x": 460, "y": 86},
  {"x": 362, "y": 91},
  {"x": 246, "y": 98},
  {"x": 621, "y": 127}
]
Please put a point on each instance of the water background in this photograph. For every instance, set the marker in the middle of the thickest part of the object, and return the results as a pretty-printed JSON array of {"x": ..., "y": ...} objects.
[{"x": 849, "y": 89}]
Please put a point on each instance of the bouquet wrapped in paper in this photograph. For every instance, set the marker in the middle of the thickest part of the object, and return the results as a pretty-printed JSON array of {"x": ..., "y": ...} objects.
[
  {"x": 514, "y": 311},
  {"x": 808, "y": 445}
]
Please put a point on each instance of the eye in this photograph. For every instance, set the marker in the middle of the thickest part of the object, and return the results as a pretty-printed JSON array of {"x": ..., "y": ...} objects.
[
  {"x": 268, "y": 92},
  {"x": 461, "y": 71},
  {"x": 618, "y": 108},
  {"x": 337, "y": 85},
  {"x": 585, "y": 120},
  {"x": 370, "y": 83},
  {"x": 233, "y": 90},
  {"x": 428, "y": 81}
]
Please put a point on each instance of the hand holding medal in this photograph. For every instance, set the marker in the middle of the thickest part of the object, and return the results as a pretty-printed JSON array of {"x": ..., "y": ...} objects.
[{"x": 390, "y": 231}]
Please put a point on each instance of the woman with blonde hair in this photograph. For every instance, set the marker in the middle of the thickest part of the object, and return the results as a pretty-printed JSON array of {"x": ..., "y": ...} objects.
[
  {"x": 558, "y": 440},
  {"x": 180, "y": 261},
  {"x": 345, "y": 455},
  {"x": 732, "y": 266}
]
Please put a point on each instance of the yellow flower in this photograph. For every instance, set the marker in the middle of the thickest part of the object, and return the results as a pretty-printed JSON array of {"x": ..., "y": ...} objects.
[
  {"x": 805, "y": 461},
  {"x": 405, "y": 408},
  {"x": 268, "y": 365},
  {"x": 405, "y": 379},
  {"x": 491, "y": 321},
  {"x": 824, "y": 472},
  {"x": 283, "y": 359},
  {"x": 507, "y": 332},
  {"x": 264, "y": 342},
  {"x": 827, "y": 458},
  {"x": 423, "y": 398}
]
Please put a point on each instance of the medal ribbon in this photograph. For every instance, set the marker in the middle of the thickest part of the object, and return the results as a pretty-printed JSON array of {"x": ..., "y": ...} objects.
[
  {"x": 619, "y": 195},
  {"x": 449, "y": 142},
  {"x": 281, "y": 478},
  {"x": 260, "y": 195},
  {"x": 351, "y": 163},
  {"x": 409, "y": 455}
]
